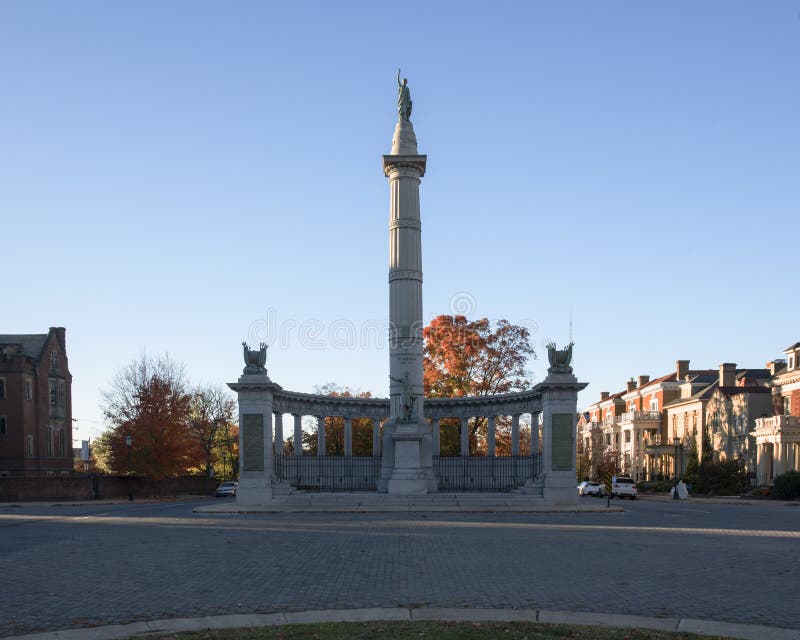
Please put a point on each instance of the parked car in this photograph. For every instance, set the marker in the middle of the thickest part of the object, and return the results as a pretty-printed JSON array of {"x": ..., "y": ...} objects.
[
  {"x": 623, "y": 487},
  {"x": 588, "y": 488},
  {"x": 226, "y": 489}
]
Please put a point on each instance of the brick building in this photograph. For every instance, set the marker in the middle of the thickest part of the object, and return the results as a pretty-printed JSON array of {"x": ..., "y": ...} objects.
[{"x": 35, "y": 405}]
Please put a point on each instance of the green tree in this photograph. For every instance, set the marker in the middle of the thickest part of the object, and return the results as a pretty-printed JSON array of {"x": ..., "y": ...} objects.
[{"x": 693, "y": 463}]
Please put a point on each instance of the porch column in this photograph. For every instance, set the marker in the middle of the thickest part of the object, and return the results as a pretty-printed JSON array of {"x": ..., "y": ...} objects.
[
  {"x": 278, "y": 433},
  {"x": 376, "y": 437},
  {"x": 348, "y": 436},
  {"x": 465, "y": 437},
  {"x": 437, "y": 436},
  {"x": 298, "y": 434},
  {"x": 490, "y": 444},
  {"x": 515, "y": 434},
  {"x": 320, "y": 435},
  {"x": 534, "y": 433},
  {"x": 759, "y": 464}
]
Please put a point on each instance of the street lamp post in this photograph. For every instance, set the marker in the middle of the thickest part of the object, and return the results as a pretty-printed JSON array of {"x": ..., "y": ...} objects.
[{"x": 128, "y": 441}]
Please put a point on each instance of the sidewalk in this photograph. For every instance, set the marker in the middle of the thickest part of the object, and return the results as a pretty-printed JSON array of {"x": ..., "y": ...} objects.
[
  {"x": 665, "y": 497},
  {"x": 398, "y": 614},
  {"x": 377, "y": 502}
]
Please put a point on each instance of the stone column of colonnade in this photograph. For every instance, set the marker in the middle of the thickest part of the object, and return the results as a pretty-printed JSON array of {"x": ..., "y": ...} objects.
[{"x": 491, "y": 440}]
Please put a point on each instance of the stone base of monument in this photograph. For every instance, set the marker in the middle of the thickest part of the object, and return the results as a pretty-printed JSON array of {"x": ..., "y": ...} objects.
[
  {"x": 253, "y": 492},
  {"x": 409, "y": 473},
  {"x": 559, "y": 488}
]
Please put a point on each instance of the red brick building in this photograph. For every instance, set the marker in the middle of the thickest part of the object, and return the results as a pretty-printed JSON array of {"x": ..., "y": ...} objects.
[{"x": 35, "y": 405}]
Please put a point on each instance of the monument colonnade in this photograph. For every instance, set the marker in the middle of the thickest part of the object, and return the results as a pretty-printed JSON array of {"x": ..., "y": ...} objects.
[{"x": 299, "y": 405}]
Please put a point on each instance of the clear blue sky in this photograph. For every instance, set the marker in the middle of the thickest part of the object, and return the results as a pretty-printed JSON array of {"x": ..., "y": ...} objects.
[{"x": 172, "y": 174}]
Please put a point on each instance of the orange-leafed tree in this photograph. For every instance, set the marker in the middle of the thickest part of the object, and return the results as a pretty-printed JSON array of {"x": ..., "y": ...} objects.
[
  {"x": 150, "y": 402},
  {"x": 475, "y": 358}
]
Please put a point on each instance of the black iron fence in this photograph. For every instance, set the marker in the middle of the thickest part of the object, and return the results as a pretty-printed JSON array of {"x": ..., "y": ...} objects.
[
  {"x": 502, "y": 473},
  {"x": 329, "y": 473}
]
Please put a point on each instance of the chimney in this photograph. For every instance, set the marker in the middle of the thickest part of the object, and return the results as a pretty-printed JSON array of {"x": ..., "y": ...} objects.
[
  {"x": 630, "y": 385},
  {"x": 643, "y": 380},
  {"x": 603, "y": 395},
  {"x": 727, "y": 374},
  {"x": 776, "y": 366},
  {"x": 681, "y": 369},
  {"x": 61, "y": 336}
]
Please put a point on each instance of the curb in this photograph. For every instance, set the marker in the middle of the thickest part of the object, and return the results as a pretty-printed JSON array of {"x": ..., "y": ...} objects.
[
  {"x": 233, "y": 510},
  {"x": 400, "y": 614}
]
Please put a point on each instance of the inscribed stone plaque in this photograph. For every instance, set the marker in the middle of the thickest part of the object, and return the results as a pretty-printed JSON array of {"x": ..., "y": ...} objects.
[
  {"x": 253, "y": 441},
  {"x": 562, "y": 442}
]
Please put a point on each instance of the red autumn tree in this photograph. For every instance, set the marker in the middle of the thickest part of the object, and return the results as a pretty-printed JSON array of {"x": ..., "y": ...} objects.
[
  {"x": 474, "y": 358},
  {"x": 149, "y": 401}
]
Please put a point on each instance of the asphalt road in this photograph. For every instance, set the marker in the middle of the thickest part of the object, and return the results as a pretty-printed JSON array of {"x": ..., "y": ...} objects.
[{"x": 79, "y": 565}]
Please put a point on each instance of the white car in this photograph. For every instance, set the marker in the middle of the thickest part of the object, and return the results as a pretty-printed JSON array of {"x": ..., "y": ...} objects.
[
  {"x": 623, "y": 488},
  {"x": 226, "y": 489},
  {"x": 587, "y": 488}
]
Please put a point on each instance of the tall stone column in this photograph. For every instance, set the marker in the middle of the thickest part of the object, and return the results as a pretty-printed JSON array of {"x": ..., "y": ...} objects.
[
  {"x": 406, "y": 464},
  {"x": 320, "y": 435},
  {"x": 437, "y": 436},
  {"x": 255, "y": 394},
  {"x": 490, "y": 437},
  {"x": 348, "y": 436},
  {"x": 376, "y": 437},
  {"x": 298, "y": 434},
  {"x": 515, "y": 434},
  {"x": 278, "y": 434}
]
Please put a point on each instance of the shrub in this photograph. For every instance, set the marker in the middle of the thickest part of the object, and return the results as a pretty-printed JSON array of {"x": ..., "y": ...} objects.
[
  {"x": 787, "y": 486},
  {"x": 724, "y": 478}
]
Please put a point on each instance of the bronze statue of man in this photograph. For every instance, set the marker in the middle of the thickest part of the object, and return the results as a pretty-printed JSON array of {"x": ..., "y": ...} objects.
[{"x": 403, "y": 99}]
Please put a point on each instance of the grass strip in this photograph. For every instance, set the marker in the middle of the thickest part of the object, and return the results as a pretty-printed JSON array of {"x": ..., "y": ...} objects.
[{"x": 430, "y": 630}]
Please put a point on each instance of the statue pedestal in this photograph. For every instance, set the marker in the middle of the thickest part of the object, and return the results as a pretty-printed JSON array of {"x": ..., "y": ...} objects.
[{"x": 410, "y": 474}]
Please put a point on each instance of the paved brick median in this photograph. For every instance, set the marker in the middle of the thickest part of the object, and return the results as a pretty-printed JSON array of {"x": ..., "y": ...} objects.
[{"x": 67, "y": 570}]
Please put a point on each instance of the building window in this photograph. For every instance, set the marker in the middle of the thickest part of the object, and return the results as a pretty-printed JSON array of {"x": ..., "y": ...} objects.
[
  {"x": 787, "y": 405},
  {"x": 653, "y": 404},
  {"x": 2, "y": 388},
  {"x": 48, "y": 441},
  {"x": 3, "y": 423},
  {"x": 62, "y": 389},
  {"x": 627, "y": 437},
  {"x": 791, "y": 363},
  {"x": 28, "y": 389},
  {"x": 616, "y": 438},
  {"x": 54, "y": 360},
  {"x": 30, "y": 446},
  {"x": 53, "y": 396},
  {"x": 60, "y": 441},
  {"x": 608, "y": 439}
]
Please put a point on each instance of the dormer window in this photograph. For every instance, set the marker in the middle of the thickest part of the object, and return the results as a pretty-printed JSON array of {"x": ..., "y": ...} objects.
[{"x": 791, "y": 363}]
